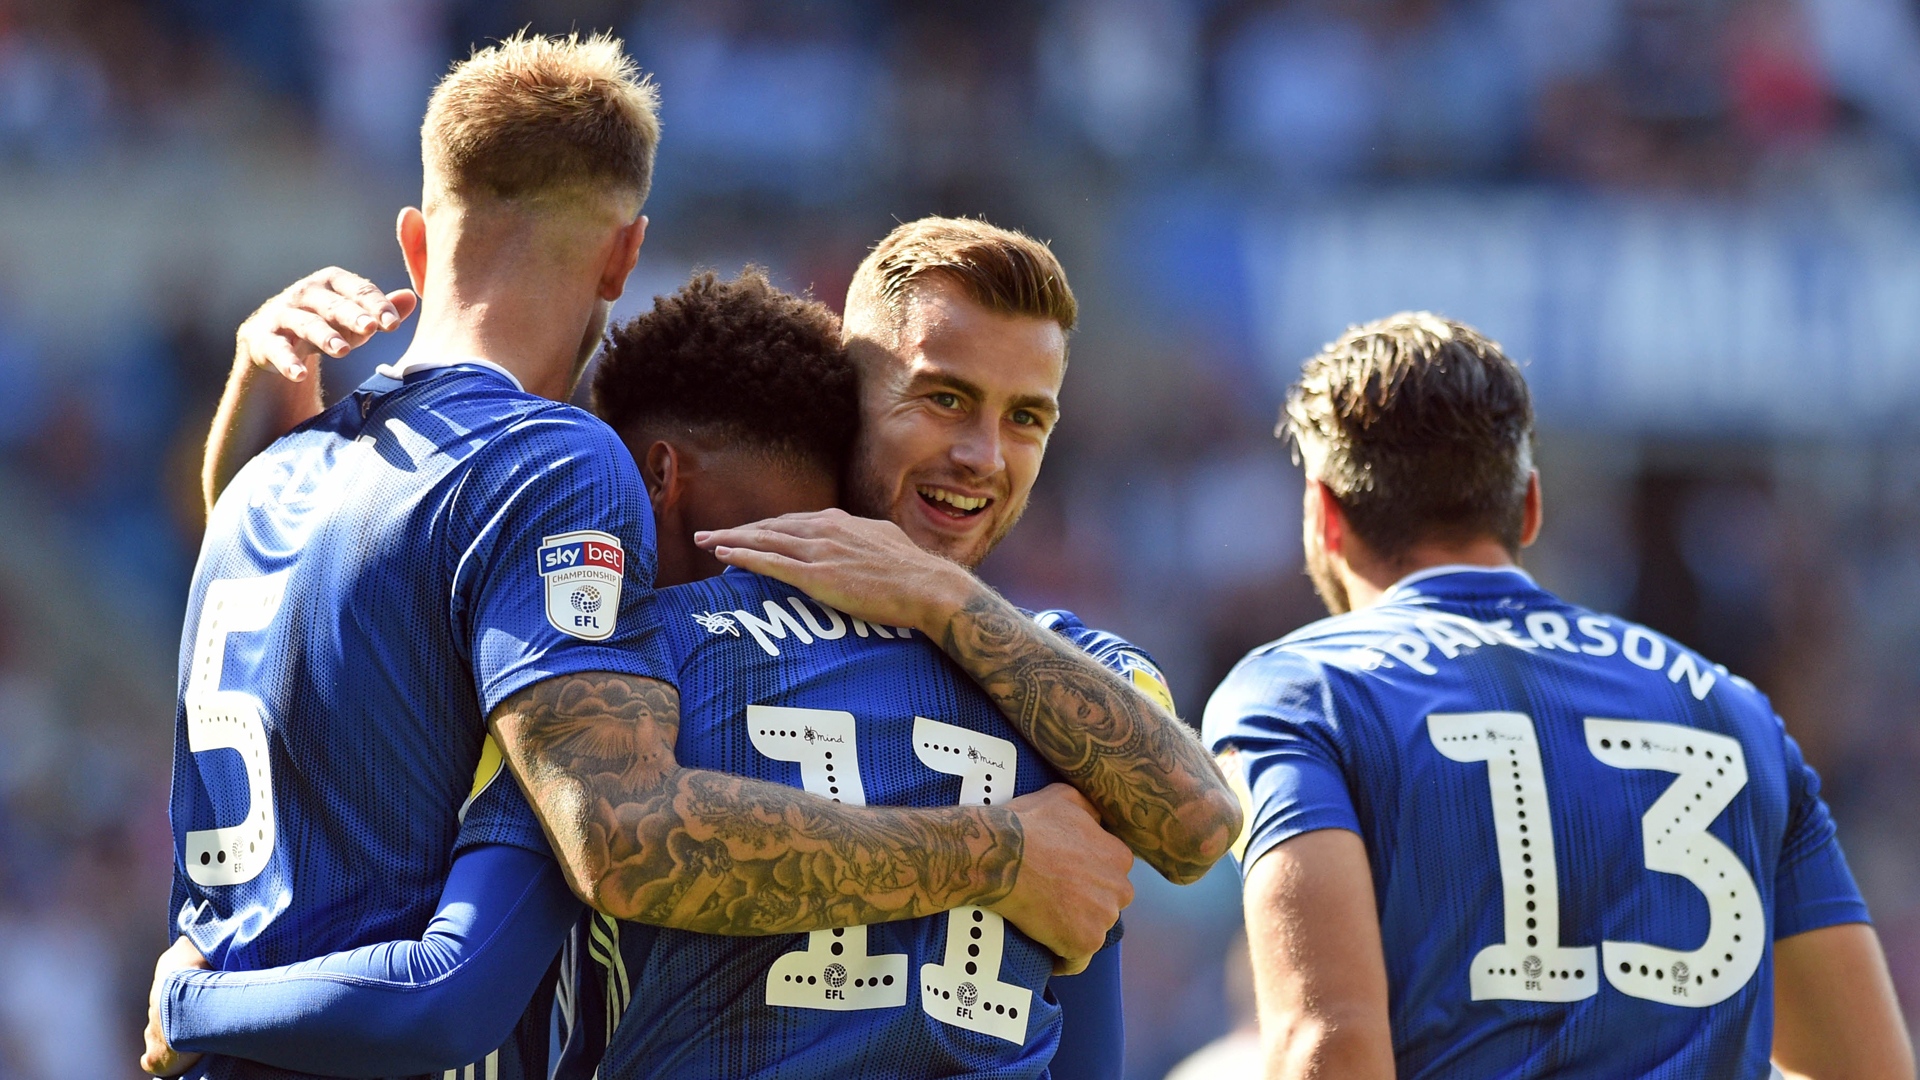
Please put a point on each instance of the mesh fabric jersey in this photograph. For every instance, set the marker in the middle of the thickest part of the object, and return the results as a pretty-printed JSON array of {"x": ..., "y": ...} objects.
[
  {"x": 779, "y": 688},
  {"x": 1584, "y": 837},
  {"x": 368, "y": 590}
]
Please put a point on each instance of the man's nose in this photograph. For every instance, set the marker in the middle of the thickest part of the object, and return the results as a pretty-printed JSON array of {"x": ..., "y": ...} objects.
[{"x": 978, "y": 449}]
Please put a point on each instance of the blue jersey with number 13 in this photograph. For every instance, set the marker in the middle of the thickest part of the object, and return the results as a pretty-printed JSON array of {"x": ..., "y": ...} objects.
[{"x": 1584, "y": 838}]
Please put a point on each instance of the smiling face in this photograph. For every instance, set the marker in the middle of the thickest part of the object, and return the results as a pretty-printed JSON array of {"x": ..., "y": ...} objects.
[{"x": 957, "y": 404}]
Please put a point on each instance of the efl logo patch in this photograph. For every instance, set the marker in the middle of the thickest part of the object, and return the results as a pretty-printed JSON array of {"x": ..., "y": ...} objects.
[
  {"x": 1147, "y": 679},
  {"x": 582, "y": 572}
]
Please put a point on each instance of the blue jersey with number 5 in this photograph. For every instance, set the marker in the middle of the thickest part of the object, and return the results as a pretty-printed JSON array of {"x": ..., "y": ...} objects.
[
  {"x": 1584, "y": 838},
  {"x": 368, "y": 590}
]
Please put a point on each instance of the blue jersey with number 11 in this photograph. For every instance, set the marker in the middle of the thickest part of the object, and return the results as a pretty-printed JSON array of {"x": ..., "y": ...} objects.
[
  {"x": 780, "y": 688},
  {"x": 1584, "y": 838}
]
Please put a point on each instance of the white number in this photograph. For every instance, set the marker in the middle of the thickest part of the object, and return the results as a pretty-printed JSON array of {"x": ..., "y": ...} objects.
[
  {"x": 834, "y": 971},
  {"x": 964, "y": 989},
  {"x": 1674, "y": 840},
  {"x": 1531, "y": 964},
  {"x": 232, "y": 720},
  {"x": 1674, "y": 835}
]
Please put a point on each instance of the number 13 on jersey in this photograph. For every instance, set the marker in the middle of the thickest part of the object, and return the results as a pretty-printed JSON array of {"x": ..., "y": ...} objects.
[{"x": 1531, "y": 964}]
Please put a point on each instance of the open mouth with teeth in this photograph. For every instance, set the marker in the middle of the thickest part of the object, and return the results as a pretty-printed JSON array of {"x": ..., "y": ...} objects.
[{"x": 953, "y": 504}]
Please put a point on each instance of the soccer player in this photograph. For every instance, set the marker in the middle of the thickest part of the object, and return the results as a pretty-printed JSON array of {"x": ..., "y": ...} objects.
[
  {"x": 451, "y": 550},
  {"x": 1496, "y": 834},
  {"x": 959, "y": 329},
  {"x": 738, "y": 402}
]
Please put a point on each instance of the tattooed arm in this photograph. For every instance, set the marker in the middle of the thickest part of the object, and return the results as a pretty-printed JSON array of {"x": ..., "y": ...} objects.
[
  {"x": 642, "y": 838},
  {"x": 1154, "y": 784}
]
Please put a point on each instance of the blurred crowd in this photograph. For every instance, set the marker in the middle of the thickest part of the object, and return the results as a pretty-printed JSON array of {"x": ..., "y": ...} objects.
[{"x": 167, "y": 164}]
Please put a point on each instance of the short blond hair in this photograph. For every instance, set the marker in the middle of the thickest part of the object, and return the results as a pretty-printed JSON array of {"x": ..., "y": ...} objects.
[
  {"x": 540, "y": 116},
  {"x": 1005, "y": 271}
]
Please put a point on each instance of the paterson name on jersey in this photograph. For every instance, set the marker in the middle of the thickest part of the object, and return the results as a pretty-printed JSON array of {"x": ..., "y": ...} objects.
[
  {"x": 369, "y": 588},
  {"x": 1584, "y": 837},
  {"x": 778, "y": 687}
]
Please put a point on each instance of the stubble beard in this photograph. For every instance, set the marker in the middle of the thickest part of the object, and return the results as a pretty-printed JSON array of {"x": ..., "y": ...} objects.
[
  {"x": 1327, "y": 583},
  {"x": 868, "y": 494}
]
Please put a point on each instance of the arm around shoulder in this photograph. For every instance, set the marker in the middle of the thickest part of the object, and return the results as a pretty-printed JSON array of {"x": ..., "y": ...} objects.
[
  {"x": 642, "y": 838},
  {"x": 1146, "y": 771}
]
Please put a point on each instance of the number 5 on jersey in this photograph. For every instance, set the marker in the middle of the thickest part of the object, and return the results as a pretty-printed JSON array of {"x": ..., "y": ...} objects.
[{"x": 232, "y": 720}]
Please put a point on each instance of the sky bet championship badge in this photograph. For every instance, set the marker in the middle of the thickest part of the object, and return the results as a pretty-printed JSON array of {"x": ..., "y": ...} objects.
[{"x": 583, "y": 571}]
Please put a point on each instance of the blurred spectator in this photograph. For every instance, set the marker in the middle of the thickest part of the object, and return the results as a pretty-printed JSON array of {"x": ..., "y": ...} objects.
[
  {"x": 53, "y": 91},
  {"x": 1125, "y": 74},
  {"x": 379, "y": 60},
  {"x": 1298, "y": 92},
  {"x": 778, "y": 101},
  {"x": 1235, "y": 1055}
]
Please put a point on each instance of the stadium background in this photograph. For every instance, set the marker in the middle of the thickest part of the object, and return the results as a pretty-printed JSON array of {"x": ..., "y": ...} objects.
[{"x": 1696, "y": 220}]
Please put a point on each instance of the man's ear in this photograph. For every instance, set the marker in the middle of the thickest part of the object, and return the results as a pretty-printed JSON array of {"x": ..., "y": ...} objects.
[
  {"x": 1329, "y": 518},
  {"x": 411, "y": 231},
  {"x": 1530, "y": 517},
  {"x": 662, "y": 469},
  {"x": 620, "y": 262}
]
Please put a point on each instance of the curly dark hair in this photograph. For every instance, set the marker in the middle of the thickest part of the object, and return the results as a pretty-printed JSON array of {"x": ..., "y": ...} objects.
[{"x": 739, "y": 358}]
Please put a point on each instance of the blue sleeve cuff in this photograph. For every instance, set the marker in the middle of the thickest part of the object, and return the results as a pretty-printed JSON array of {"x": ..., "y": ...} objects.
[
  {"x": 1815, "y": 891},
  {"x": 398, "y": 1007}
]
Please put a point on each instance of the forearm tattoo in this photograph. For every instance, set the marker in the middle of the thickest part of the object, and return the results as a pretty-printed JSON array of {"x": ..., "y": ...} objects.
[
  {"x": 1155, "y": 785},
  {"x": 647, "y": 840}
]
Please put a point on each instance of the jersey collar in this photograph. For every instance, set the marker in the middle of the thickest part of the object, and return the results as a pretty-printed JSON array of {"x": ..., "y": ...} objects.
[
  {"x": 1405, "y": 586},
  {"x": 399, "y": 372}
]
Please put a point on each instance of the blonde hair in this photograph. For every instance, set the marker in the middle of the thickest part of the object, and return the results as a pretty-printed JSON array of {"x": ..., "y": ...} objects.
[
  {"x": 1004, "y": 271},
  {"x": 536, "y": 117}
]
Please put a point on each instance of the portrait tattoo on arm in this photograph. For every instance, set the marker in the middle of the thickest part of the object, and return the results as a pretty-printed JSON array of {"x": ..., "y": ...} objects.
[
  {"x": 1156, "y": 787},
  {"x": 642, "y": 838}
]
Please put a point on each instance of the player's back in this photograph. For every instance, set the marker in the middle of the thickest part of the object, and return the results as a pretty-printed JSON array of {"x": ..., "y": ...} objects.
[
  {"x": 1583, "y": 837},
  {"x": 778, "y": 687},
  {"x": 328, "y": 726}
]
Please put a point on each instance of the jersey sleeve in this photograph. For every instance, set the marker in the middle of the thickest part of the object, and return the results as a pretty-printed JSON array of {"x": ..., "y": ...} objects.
[
  {"x": 1126, "y": 659},
  {"x": 1093, "y": 1032},
  {"x": 398, "y": 1007},
  {"x": 555, "y": 549},
  {"x": 496, "y": 810},
  {"x": 1813, "y": 886},
  {"x": 1273, "y": 724}
]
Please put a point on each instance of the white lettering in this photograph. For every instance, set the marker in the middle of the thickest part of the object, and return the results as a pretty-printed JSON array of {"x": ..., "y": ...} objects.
[
  {"x": 1595, "y": 627},
  {"x": 1656, "y": 651},
  {"x": 1412, "y": 651},
  {"x": 836, "y": 626},
  {"x": 1699, "y": 682},
  {"x": 1549, "y": 629},
  {"x": 775, "y": 625},
  {"x": 1446, "y": 634}
]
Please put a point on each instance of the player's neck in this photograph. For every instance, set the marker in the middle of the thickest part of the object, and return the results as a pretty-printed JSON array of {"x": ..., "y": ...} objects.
[
  {"x": 1368, "y": 578},
  {"x": 531, "y": 329}
]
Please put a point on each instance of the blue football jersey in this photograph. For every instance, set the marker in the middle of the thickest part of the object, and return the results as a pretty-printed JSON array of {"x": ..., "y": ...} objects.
[
  {"x": 369, "y": 589},
  {"x": 778, "y": 687},
  {"x": 1584, "y": 837}
]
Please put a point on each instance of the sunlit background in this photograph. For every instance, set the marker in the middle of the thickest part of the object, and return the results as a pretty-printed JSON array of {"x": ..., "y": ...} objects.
[{"x": 1695, "y": 220}]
